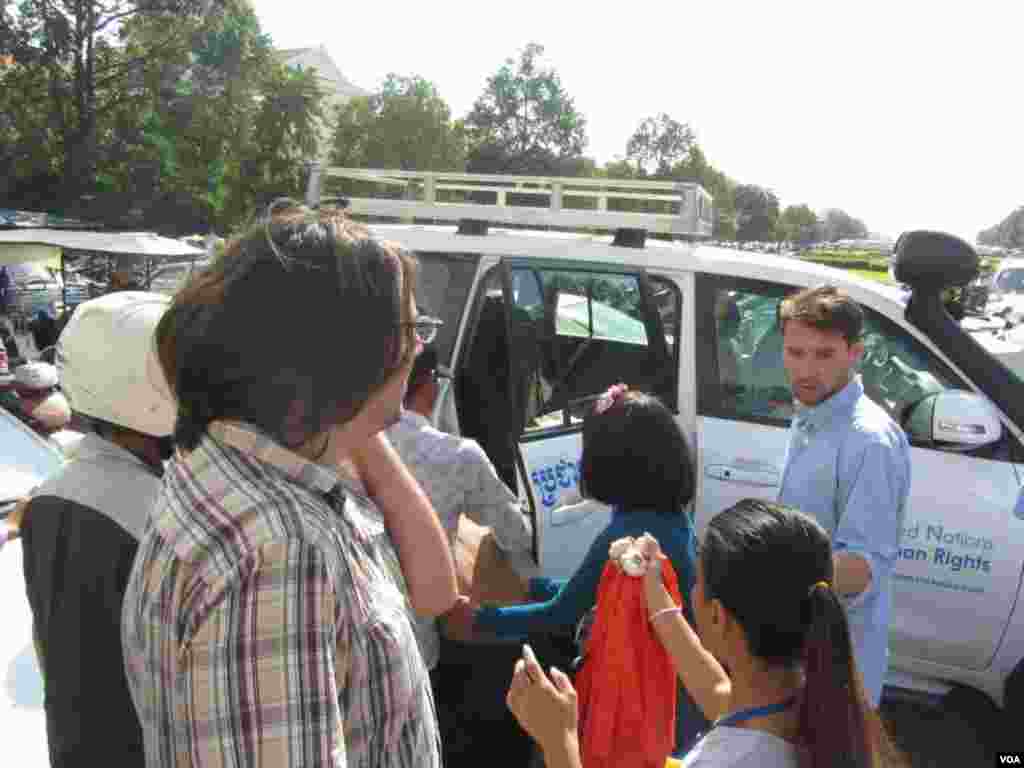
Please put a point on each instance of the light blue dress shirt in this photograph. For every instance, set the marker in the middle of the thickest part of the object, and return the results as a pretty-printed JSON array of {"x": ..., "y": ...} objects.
[{"x": 848, "y": 466}]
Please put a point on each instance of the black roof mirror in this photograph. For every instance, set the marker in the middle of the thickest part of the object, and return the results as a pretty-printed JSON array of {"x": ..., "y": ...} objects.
[{"x": 934, "y": 260}]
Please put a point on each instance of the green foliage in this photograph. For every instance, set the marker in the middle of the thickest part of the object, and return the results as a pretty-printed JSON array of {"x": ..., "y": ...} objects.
[
  {"x": 524, "y": 121},
  {"x": 857, "y": 260},
  {"x": 405, "y": 125},
  {"x": 1009, "y": 233},
  {"x": 798, "y": 224},
  {"x": 659, "y": 144},
  {"x": 195, "y": 120},
  {"x": 76, "y": 46},
  {"x": 757, "y": 212},
  {"x": 839, "y": 225}
]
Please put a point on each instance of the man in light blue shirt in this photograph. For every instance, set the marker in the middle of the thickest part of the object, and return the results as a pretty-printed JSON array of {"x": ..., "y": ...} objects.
[{"x": 847, "y": 464}]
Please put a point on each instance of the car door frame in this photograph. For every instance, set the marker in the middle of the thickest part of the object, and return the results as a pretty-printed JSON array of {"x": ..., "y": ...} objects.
[
  {"x": 709, "y": 386},
  {"x": 653, "y": 326}
]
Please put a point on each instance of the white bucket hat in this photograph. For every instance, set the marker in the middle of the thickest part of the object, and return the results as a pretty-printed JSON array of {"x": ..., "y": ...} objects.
[{"x": 108, "y": 366}]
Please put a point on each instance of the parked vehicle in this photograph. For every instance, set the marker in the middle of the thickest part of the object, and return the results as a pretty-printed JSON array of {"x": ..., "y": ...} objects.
[
  {"x": 530, "y": 341},
  {"x": 28, "y": 459},
  {"x": 168, "y": 278},
  {"x": 34, "y": 288}
]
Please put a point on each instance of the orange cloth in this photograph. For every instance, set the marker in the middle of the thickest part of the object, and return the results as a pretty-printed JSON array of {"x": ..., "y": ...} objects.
[{"x": 627, "y": 686}]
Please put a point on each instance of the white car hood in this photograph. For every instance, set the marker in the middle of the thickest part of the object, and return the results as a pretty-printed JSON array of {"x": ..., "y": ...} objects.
[{"x": 28, "y": 459}]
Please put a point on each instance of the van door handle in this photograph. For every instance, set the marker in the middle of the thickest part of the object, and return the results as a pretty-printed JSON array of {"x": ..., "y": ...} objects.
[
  {"x": 760, "y": 476},
  {"x": 573, "y": 510}
]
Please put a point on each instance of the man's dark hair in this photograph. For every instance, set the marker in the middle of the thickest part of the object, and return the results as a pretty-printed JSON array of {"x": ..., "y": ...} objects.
[
  {"x": 826, "y": 308},
  {"x": 422, "y": 370},
  {"x": 292, "y": 330},
  {"x": 635, "y": 457}
]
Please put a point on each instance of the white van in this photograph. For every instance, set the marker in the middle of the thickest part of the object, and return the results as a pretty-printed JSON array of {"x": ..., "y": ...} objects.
[{"x": 537, "y": 325}]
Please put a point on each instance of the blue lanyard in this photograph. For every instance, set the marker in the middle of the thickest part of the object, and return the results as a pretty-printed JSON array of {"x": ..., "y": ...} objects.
[{"x": 749, "y": 714}]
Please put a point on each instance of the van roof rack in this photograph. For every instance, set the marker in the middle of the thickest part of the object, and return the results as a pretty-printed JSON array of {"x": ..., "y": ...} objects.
[{"x": 572, "y": 203}]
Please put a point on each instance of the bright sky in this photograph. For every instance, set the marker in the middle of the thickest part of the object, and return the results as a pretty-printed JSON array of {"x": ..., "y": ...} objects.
[{"x": 906, "y": 113}]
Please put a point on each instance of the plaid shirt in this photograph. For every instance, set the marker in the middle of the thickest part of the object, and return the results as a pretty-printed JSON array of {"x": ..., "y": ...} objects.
[{"x": 260, "y": 624}]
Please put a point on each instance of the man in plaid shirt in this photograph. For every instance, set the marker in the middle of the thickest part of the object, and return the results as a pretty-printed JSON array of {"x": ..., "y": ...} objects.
[{"x": 261, "y": 623}]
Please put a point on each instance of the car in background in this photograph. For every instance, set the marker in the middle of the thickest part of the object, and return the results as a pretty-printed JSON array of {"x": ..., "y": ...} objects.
[
  {"x": 169, "y": 278},
  {"x": 33, "y": 288},
  {"x": 29, "y": 459},
  {"x": 1006, "y": 291}
]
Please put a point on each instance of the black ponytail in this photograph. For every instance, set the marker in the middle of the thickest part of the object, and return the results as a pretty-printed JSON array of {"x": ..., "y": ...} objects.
[
  {"x": 837, "y": 727},
  {"x": 792, "y": 619}
]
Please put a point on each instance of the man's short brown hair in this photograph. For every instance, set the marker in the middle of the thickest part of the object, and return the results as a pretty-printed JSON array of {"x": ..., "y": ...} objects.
[{"x": 826, "y": 308}]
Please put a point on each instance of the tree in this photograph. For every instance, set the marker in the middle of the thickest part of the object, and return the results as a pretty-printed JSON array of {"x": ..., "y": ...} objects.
[
  {"x": 695, "y": 167},
  {"x": 405, "y": 125},
  {"x": 659, "y": 144},
  {"x": 757, "y": 210},
  {"x": 76, "y": 43},
  {"x": 1009, "y": 233},
  {"x": 29, "y": 146},
  {"x": 798, "y": 223},
  {"x": 525, "y": 121},
  {"x": 217, "y": 127},
  {"x": 839, "y": 225}
]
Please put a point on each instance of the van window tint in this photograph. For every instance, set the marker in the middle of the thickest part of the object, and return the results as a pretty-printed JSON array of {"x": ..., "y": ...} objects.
[
  {"x": 751, "y": 384},
  {"x": 581, "y": 332}
]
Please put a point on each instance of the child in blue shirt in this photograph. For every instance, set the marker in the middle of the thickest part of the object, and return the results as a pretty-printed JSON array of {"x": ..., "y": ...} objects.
[{"x": 636, "y": 460}]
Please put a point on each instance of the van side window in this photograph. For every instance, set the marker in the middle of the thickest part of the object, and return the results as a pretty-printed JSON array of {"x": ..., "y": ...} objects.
[
  {"x": 742, "y": 375},
  {"x": 581, "y": 332}
]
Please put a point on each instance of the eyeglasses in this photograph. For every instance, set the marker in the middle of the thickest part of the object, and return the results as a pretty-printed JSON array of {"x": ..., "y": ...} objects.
[{"x": 425, "y": 328}]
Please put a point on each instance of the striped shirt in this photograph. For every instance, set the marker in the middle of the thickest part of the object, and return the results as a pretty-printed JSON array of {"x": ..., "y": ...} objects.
[
  {"x": 261, "y": 625},
  {"x": 459, "y": 479}
]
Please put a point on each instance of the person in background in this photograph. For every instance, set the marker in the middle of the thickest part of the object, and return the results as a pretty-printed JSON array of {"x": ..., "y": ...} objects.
[
  {"x": 5, "y": 288},
  {"x": 262, "y": 624},
  {"x": 81, "y": 528},
  {"x": 847, "y": 464},
  {"x": 44, "y": 330},
  {"x": 771, "y": 662},
  {"x": 635, "y": 459},
  {"x": 123, "y": 279},
  {"x": 8, "y": 395},
  {"x": 456, "y": 475},
  {"x": 41, "y": 403},
  {"x": 10, "y": 346},
  {"x": 459, "y": 479}
]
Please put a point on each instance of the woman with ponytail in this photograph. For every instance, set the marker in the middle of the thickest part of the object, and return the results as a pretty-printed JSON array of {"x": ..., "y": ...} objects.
[{"x": 772, "y": 666}]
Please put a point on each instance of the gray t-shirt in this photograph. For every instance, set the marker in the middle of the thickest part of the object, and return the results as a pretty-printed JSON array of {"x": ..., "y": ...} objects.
[{"x": 725, "y": 747}]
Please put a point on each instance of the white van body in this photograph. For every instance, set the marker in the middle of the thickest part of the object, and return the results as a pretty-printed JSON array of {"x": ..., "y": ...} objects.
[
  {"x": 955, "y": 615},
  {"x": 538, "y": 323}
]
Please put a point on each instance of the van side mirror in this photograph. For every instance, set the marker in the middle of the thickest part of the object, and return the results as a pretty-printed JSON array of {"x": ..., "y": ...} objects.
[{"x": 954, "y": 420}]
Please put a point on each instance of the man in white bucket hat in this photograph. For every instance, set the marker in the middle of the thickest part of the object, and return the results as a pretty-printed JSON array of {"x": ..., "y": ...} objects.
[{"x": 80, "y": 530}]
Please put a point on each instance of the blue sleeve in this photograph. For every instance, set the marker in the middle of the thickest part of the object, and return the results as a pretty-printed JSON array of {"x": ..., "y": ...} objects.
[
  {"x": 874, "y": 479},
  {"x": 542, "y": 588},
  {"x": 563, "y": 610},
  {"x": 680, "y": 545}
]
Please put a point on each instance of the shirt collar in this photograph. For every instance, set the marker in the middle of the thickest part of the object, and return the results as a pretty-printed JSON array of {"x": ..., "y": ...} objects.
[
  {"x": 257, "y": 444},
  {"x": 810, "y": 418},
  {"x": 414, "y": 419},
  {"x": 93, "y": 447}
]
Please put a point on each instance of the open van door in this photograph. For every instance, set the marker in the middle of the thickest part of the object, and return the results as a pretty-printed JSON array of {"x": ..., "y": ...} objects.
[{"x": 574, "y": 331}]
